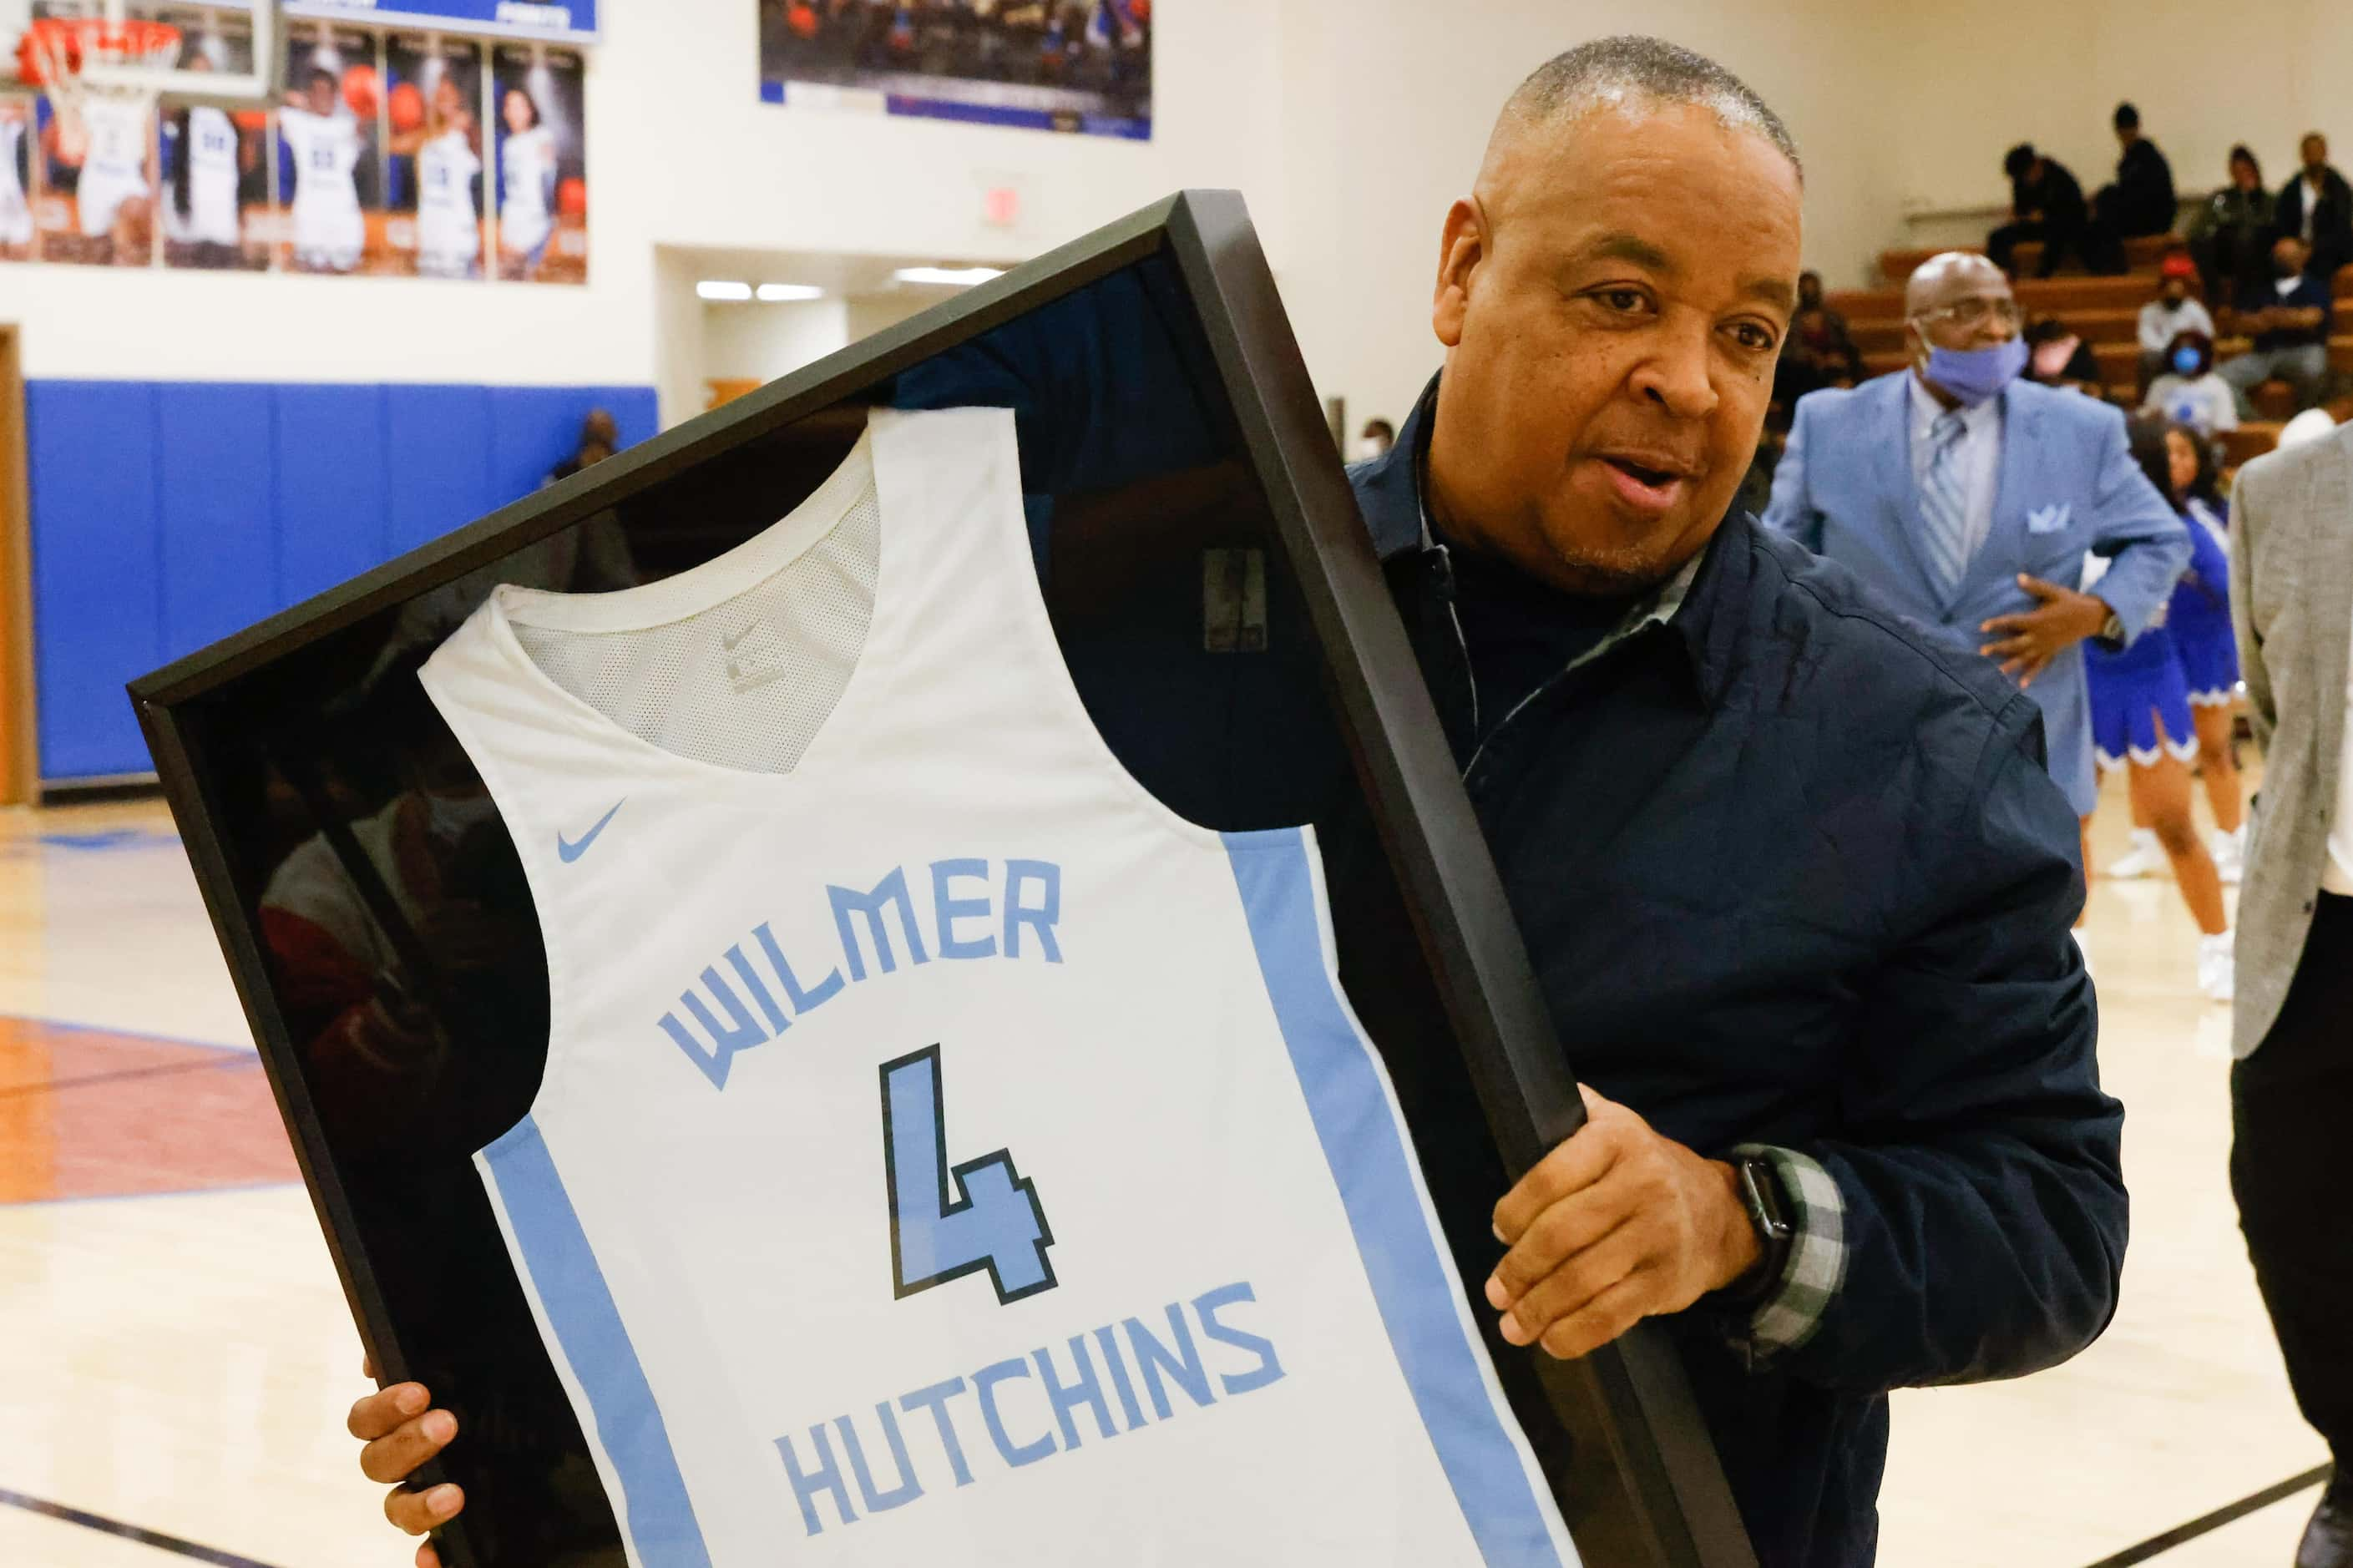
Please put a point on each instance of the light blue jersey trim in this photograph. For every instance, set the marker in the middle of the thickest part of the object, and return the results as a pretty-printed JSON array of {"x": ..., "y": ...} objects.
[
  {"x": 657, "y": 1516},
  {"x": 1366, "y": 1150}
]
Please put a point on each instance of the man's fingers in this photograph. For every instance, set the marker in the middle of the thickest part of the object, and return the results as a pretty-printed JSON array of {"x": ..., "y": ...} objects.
[
  {"x": 2023, "y": 670},
  {"x": 396, "y": 1456},
  {"x": 1575, "y": 1165},
  {"x": 1602, "y": 1319},
  {"x": 367, "y": 1366},
  {"x": 2010, "y": 647},
  {"x": 1557, "y": 1235},
  {"x": 381, "y": 1412},
  {"x": 416, "y": 1512},
  {"x": 427, "y": 1557},
  {"x": 2038, "y": 587},
  {"x": 1576, "y": 1283}
]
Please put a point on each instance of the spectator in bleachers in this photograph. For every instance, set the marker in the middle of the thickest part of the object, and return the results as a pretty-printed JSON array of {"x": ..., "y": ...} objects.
[
  {"x": 2189, "y": 393},
  {"x": 2230, "y": 234},
  {"x": 1819, "y": 351},
  {"x": 1809, "y": 298},
  {"x": 2167, "y": 316},
  {"x": 2316, "y": 207},
  {"x": 2290, "y": 330},
  {"x": 2057, "y": 357},
  {"x": 2141, "y": 200},
  {"x": 2046, "y": 204}
]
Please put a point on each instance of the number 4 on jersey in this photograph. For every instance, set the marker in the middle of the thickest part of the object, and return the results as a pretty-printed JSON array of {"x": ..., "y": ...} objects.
[{"x": 991, "y": 1221}]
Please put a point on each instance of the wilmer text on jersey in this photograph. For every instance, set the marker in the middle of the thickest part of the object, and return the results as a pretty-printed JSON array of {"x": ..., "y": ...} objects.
[{"x": 967, "y": 923}]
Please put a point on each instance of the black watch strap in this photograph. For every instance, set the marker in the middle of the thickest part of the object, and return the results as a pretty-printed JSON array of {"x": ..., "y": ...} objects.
[{"x": 1769, "y": 1215}]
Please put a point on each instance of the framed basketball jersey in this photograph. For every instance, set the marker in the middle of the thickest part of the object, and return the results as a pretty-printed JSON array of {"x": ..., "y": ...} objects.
[{"x": 901, "y": 973}]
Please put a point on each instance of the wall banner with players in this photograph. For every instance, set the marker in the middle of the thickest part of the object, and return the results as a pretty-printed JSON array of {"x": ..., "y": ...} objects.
[
  {"x": 395, "y": 151},
  {"x": 1081, "y": 66}
]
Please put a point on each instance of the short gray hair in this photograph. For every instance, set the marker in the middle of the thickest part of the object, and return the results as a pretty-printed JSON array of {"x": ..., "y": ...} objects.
[{"x": 1607, "y": 72}]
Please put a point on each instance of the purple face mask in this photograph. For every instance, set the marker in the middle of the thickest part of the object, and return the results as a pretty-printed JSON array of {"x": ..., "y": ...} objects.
[{"x": 1974, "y": 376}]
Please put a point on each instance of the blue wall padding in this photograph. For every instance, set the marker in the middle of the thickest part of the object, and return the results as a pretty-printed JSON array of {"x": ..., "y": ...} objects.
[
  {"x": 167, "y": 515},
  {"x": 438, "y": 452},
  {"x": 332, "y": 496},
  {"x": 218, "y": 558}
]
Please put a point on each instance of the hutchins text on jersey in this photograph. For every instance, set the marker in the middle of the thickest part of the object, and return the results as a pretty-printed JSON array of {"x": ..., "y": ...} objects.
[{"x": 1027, "y": 1408}]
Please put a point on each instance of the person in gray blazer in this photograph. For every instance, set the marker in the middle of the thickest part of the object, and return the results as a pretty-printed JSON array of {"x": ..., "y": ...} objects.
[
  {"x": 2292, "y": 1087},
  {"x": 1967, "y": 499}
]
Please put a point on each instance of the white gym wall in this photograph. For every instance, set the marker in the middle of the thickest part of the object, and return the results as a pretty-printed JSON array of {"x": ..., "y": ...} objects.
[{"x": 1349, "y": 124}]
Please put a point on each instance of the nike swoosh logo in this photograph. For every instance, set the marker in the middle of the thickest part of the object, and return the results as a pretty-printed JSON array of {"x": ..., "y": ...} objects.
[
  {"x": 729, "y": 642},
  {"x": 569, "y": 852}
]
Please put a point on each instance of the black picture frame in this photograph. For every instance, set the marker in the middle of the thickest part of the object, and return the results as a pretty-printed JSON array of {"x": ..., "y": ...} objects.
[{"x": 1640, "y": 1484}]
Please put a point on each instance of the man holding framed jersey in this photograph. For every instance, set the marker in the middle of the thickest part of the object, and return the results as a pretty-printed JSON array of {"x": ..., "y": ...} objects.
[{"x": 1795, "y": 881}]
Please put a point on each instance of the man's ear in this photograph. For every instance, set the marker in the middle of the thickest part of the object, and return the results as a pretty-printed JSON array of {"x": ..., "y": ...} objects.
[{"x": 1461, "y": 250}]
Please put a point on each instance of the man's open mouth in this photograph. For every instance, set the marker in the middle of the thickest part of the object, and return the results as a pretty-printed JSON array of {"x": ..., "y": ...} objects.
[{"x": 1657, "y": 479}]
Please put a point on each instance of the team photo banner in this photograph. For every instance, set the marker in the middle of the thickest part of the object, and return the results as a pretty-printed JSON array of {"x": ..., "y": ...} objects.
[
  {"x": 1076, "y": 65},
  {"x": 402, "y": 151},
  {"x": 559, "y": 21}
]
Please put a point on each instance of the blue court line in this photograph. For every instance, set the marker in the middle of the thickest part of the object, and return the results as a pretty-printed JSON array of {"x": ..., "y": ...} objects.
[
  {"x": 115, "y": 838},
  {"x": 71, "y": 1027},
  {"x": 162, "y": 1070},
  {"x": 115, "y": 1527}
]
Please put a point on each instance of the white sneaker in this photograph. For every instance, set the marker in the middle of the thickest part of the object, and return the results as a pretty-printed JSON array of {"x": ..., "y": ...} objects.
[
  {"x": 2218, "y": 967},
  {"x": 2145, "y": 858},
  {"x": 2230, "y": 851}
]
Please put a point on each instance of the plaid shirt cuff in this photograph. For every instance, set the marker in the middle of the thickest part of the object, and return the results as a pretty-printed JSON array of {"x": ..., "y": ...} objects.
[{"x": 1788, "y": 1315}]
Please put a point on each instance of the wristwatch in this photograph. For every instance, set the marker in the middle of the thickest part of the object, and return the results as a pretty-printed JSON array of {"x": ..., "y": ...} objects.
[
  {"x": 2113, "y": 628},
  {"x": 1760, "y": 1195}
]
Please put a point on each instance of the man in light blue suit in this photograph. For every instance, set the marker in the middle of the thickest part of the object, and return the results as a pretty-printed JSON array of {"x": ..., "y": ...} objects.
[{"x": 1968, "y": 499}]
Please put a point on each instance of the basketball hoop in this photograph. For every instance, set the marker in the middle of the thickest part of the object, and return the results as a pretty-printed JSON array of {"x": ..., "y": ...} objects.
[{"x": 75, "y": 56}]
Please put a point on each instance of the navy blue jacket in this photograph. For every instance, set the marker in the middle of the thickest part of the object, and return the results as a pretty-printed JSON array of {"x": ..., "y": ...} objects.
[{"x": 1793, "y": 872}]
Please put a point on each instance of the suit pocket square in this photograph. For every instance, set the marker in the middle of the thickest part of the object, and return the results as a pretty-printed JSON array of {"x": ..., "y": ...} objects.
[{"x": 2049, "y": 519}]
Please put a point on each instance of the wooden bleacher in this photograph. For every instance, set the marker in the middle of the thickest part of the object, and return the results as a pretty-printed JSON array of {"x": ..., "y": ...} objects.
[{"x": 2103, "y": 311}]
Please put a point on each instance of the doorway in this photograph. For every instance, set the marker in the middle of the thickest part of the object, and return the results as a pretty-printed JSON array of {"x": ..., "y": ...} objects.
[{"x": 19, "y": 760}]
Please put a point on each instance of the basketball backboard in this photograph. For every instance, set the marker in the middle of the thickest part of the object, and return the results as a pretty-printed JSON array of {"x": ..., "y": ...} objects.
[{"x": 229, "y": 53}]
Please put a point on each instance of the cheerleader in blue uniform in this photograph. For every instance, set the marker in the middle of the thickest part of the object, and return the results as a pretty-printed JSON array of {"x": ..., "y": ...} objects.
[
  {"x": 2201, "y": 621},
  {"x": 2199, "y": 617},
  {"x": 2141, "y": 721}
]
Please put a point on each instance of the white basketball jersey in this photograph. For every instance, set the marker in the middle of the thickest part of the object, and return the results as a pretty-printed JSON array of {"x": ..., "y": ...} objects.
[
  {"x": 326, "y": 150},
  {"x": 526, "y": 167},
  {"x": 16, "y": 213},
  {"x": 945, "y": 1153},
  {"x": 118, "y": 139},
  {"x": 448, "y": 229},
  {"x": 211, "y": 153}
]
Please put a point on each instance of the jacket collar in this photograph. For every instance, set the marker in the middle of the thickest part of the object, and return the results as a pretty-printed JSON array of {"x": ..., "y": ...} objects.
[
  {"x": 1704, "y": 623},
  {"x": 1388, "y": 487}
]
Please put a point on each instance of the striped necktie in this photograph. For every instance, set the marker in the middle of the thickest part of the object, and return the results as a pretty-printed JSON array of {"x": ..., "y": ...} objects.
[{"x": 1944, "y": 506}]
